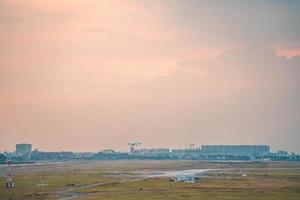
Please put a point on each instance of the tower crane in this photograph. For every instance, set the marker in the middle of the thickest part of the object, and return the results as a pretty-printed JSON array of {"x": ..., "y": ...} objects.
[{"x": 132, "y": 145}]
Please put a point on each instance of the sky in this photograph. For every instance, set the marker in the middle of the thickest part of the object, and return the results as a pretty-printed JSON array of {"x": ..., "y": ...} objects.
[{"x": 87, "y": 75}]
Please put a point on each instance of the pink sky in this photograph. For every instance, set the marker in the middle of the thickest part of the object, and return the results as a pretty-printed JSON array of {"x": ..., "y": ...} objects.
[{"x": 85, "y": 75}]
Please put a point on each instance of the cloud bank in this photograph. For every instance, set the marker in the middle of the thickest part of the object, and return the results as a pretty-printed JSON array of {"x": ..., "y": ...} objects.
[{"x": 248, "y": 96}]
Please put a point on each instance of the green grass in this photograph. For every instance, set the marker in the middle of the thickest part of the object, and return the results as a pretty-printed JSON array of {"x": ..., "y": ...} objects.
[
  {"x": 40, "y": 186},
  {"x": 209, "y": 188},
  {"x": 282, "y": 182}
]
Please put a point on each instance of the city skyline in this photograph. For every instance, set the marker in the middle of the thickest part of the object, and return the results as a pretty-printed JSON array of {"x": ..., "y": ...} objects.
[{"x": 191, "y": 146}]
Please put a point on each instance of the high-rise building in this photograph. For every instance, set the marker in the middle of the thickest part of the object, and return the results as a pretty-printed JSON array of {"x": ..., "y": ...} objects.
[{"x": 23, "y": 148}]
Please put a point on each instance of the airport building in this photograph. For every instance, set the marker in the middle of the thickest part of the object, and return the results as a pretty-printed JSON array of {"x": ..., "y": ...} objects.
[
  {"x": 236, "y": 149},
  {"x": 23, "y": 148},
  {"x": 158, "y": 151}
]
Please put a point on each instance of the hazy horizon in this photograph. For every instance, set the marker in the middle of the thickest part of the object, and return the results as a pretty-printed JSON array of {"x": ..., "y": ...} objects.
[{"x": 88, "y": 75}]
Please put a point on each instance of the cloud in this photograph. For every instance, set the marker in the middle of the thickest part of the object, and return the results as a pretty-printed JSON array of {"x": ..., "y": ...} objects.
[
  {"x": 216, "y": 23},
  {"x": 243, "y": 96},
  {"x": 66, "y": 68},
  {"x": 95, "y": 30},
  {"x": 246, "y": 96},
  {"x": 8, "y": 14}
]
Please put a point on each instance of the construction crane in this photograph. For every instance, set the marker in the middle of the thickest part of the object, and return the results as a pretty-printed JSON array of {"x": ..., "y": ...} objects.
[{"x": 132, "y": 145}]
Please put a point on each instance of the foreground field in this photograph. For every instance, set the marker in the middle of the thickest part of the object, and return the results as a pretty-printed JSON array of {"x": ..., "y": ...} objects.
[{"x": 124, "y": 180}]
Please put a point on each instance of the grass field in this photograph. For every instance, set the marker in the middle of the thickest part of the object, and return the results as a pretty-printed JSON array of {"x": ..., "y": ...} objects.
[{"x": 116, "y": 180}]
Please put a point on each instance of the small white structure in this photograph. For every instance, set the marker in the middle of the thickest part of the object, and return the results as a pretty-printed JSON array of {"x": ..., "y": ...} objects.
[
  {"x": 132, "y": 145},
  {"x": 9, "y": 182},
  {"x": 187, "y": 178}
]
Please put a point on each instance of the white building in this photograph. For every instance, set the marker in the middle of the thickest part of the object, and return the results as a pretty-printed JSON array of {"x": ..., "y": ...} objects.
[{"x": 187, "y": 178}]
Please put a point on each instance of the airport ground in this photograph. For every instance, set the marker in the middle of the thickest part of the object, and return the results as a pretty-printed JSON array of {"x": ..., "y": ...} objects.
[{"x": 130, "y": 180}]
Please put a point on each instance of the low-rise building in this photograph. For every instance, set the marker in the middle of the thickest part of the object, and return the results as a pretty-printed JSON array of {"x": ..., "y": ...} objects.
[
  {"x": 153, "y": 152},
  {"x": 236, "y": 149}
]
